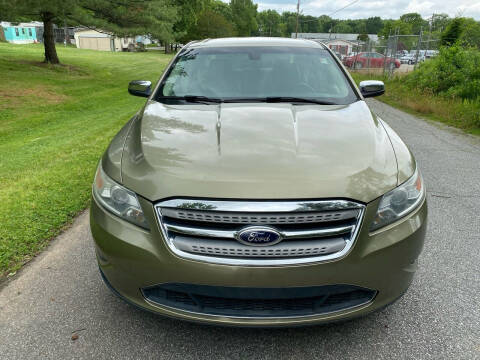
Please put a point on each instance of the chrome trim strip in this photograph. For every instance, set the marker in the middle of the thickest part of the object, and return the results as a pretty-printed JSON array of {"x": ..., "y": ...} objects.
[
  {"x": 231, "y": 234},
  {"x": 260, "y": 206},
  {"x": 207, "y": 315},
  {"x": 187, "y": 230},
  {"x": 317, "y": 232}
]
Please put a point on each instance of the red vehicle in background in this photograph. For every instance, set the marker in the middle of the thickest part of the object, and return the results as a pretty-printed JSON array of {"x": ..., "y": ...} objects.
[{"x": 370, "y": 60}]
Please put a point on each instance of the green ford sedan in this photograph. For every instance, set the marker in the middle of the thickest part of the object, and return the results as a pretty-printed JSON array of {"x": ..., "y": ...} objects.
[{"x": 256, "y": 188}]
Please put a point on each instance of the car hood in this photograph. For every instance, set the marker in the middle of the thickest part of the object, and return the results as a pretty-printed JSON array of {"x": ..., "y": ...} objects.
[{"x": 258, "y": 151}]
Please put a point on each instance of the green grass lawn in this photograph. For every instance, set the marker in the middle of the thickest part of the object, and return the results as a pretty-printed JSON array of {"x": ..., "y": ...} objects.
[
  {"x": 55, "y": 122},
  {"x": 453, "y": 112}
]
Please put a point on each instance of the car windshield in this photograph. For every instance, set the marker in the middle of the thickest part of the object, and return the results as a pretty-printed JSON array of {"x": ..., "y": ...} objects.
[{"x": 256, "y": 74}]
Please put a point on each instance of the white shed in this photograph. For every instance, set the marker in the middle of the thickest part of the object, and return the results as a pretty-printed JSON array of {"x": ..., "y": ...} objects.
[{"x": 96, "y": 40}]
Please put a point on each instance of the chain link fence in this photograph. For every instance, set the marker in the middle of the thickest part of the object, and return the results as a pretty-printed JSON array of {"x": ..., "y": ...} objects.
[{"x": 397, "y": 54}]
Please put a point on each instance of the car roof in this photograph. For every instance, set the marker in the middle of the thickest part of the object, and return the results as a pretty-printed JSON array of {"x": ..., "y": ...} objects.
[{"x": 256, "y": 41}]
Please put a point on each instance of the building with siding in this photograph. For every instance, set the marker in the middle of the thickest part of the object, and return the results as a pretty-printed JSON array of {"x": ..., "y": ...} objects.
[
  {"x": 334, "y": 36},
  {"x": 17, "y": 34},
  {"x": 95, "y": 40},
  {"x": 343, "y": 47}
]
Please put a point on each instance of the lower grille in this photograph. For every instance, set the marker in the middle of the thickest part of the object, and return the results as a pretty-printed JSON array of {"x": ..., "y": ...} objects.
[
  {"x": 258, "y": 302},
  {"x": 308, "y": 231}
]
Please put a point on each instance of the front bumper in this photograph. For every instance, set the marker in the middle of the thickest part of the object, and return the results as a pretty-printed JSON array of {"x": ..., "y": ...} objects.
[{"x": 132, "y": 259}]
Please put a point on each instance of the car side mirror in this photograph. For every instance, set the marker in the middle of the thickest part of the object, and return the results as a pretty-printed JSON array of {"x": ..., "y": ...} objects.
[
  {"x": 371, "y": 88},
  {"x": 140, "y": 88}
]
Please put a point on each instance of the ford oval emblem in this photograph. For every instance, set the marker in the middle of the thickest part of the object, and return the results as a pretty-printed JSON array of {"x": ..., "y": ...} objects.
[{"x": 259, "y": 236}]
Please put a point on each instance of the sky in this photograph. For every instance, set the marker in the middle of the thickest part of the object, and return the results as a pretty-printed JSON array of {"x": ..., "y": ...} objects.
[{"x": 386, "y": 9}]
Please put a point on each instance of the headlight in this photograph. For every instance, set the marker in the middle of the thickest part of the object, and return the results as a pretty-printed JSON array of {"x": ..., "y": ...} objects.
[
  {"x": 400, "y": 201},
  {"x": 119, "y": 200}
]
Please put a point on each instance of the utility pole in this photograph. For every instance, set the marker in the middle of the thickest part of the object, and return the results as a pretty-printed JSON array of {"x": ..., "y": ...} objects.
[{"x": 298, "y": 13}]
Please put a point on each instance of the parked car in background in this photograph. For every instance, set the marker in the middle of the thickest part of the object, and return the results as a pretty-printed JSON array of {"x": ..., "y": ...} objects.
[
  {"x": 405, "y": 59},
  {"x": 370, "y": 60},
  {"x": 412, "y": 59}
]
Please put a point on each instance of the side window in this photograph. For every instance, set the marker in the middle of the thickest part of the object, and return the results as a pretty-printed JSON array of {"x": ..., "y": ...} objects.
[
  {"x": 16, "y": 32},
  {"x": 23, "y": 31},
  {"x": 29, "y": 32}
]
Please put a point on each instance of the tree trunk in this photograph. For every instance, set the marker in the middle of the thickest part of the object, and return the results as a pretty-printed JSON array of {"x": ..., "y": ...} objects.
[{"x": 49, "y": 39}]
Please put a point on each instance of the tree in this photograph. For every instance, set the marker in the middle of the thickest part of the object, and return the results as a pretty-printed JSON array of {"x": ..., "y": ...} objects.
[
  {"x": 244, "y": 14},
  {"x": 415, "y": 20},
  {"x": 342, "y": 28},
  {"x": 46, "y": 11},
  {"x": 122, "y": 17},
  {"x": 363, "y": 37},
  {"x": 471, "y": 33},
  {"x": 289, "y": 20},
  {"x": 188, "y": 14},
  {"x": 390, "y": 26},
  {"x": 269, "y": 23},
  {"x": 211, "y": 24},
  {"x": 222, "y": 8},
  {"x": 452, "y": 33},
  {"x": 325, "y": 23},
  {"x": 358, "y": 26},
  {"x": 440, "y": 22},
  {"x": 373, "y": 25},
  {"x": 309, "y": 24}
]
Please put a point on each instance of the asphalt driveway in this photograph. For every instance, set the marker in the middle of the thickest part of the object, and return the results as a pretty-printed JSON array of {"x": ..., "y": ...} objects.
[{"x": 61, "y": 293}]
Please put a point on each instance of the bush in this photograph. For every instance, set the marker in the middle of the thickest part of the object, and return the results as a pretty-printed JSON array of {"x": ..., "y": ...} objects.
[
  {"x": 455, "y": 72},
  {"x": 445, "y": 97}
]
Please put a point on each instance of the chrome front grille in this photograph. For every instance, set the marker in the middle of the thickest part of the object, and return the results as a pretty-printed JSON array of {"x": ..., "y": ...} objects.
[
  {"x": 257, "y": 219},
  {"x": 311, "y": 231}
]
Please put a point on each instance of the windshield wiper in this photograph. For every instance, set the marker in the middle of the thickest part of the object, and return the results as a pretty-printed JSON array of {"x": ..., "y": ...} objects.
[
  {"x": 269, "y": 99},
  {"x": 193, "y": 99},
  {"x": 199, "y": 98},
  {"x": 277, "y": 99}
]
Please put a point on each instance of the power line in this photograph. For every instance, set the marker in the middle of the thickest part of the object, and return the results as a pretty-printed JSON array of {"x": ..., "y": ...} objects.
[
  {"x": 336, "y": 11},
  {"x": 353, "y": 2}
]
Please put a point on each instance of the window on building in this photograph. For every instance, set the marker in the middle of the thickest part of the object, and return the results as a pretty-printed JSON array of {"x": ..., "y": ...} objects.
[
  {"x": 29, "y": 32},
  {"x": 16, "y": 32},
  {"x": 23, "y": 31}
]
